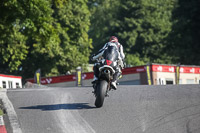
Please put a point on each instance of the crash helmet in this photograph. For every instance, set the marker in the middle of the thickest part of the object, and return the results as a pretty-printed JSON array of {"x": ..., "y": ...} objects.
[{"x": 113, "y": 39}]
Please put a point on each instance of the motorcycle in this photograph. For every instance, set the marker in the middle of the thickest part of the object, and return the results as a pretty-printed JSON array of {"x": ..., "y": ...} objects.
[{"x": 106, "y": 72}]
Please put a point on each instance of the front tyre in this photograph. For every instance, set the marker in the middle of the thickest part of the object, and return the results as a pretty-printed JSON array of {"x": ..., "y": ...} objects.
[{"x": 100, "y": 93}]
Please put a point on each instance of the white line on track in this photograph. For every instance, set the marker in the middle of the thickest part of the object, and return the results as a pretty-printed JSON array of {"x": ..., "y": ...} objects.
[{"x": 70, "y": 121}]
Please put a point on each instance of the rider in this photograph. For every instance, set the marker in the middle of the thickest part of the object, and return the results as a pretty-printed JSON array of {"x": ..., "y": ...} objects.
[{"x": 113, "y": 42}]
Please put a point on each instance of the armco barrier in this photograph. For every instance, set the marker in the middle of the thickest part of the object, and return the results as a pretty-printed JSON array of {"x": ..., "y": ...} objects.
[
  {"x": 132, "y": 75},
  {"x": 87, "y": 77}
]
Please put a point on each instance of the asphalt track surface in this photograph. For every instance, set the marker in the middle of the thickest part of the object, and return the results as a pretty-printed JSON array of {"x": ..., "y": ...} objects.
[{"x": 130, "y": 109}]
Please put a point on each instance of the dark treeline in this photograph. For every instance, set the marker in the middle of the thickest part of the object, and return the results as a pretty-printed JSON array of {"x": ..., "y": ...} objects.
[
  {"x": 57, "y": 36},
  {"x": 155, "y": 31}
]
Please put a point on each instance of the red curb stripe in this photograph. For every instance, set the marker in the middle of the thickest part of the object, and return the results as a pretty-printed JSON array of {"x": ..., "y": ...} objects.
[
  {"x": 3, "y": 129},
  {"x": 2, "y": 125}
]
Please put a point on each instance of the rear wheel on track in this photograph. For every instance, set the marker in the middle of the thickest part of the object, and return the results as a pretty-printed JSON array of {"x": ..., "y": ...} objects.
[{"x": 100, "y": 93}]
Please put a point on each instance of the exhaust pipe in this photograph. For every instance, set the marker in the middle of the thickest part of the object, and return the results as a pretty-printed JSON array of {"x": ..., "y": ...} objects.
[{"x": 106, "y": 71}]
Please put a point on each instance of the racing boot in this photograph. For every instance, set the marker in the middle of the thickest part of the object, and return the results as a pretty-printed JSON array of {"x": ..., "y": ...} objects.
[
  {"x": 115, "y": 78},
  {"x": 96, "y": 73},
  {"x": 94, "y": 79},
  {"x": 94, "y": 84},
  {"x": 114, "y": 85}
]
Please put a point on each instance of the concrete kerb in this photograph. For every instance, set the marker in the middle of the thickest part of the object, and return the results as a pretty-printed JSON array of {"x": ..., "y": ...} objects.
[
  {"x": 12, "y": 116},
  {"x": 33, "y": 85}
]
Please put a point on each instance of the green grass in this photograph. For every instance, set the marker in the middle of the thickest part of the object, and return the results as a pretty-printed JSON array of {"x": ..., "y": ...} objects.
[
  {"x": 1, "y": 112},
  {"x": 1, "y": 108}
]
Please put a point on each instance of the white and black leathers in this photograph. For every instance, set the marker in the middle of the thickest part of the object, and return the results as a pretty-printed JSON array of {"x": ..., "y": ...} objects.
[
  {"x": 120, "y": 60},
  {"x": 116, "y": 44}
]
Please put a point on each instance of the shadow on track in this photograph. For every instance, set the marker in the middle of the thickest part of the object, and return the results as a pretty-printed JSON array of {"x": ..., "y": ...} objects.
[{"x": 70, "y": 106}]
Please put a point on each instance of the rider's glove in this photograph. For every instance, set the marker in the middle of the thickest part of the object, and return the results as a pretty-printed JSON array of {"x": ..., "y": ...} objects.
[{"x": 92, "y": 57}]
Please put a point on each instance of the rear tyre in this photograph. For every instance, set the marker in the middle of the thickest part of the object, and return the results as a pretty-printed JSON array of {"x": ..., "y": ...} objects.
[{"x": 100, "y": 93}]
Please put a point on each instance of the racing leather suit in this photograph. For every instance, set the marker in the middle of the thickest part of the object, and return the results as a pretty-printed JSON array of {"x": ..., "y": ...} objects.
[{"x": 120, "y": 60}]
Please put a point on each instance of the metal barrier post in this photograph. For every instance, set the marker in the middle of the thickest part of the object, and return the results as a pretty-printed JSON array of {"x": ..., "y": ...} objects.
[
  {"x": 37, "y": 77},
  {"x": 149, "y": 81},
  {"x": 78, "y": 76},
  {"x": 177, "y": 74}
]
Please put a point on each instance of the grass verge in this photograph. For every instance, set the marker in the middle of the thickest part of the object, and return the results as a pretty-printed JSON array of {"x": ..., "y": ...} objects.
[
  {"x": 1, "y": 112},
  {"x": 1, "y": 108}
]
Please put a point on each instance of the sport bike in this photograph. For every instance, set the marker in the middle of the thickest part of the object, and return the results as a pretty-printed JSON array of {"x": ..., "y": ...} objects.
[{"x": 106, "y": 67}]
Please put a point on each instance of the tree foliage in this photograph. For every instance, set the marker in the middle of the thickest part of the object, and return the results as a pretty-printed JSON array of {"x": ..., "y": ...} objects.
[
  {"x": 141, "y": 26},
  {"x": 103, "y": 21},
  {"x": 55, "y": 35},
  {"x": 184, "y": 41},
  {"x": 145, "y": 25},
  {"x": 13, "y": 48},
  {"x": 150, "y": 30},
  {"x": 73, "y": 17},
  {"x": 51, "y": 35}
]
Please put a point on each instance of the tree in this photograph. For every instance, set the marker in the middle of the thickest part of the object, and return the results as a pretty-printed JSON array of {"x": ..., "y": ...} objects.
[
  {"x": 73, "y": 18},
  {"x": 45, "y": 34},
  {"x": 141, "y": 26},
  {"x": 13, "y": 48},
  {"x": 184, "y": 41},
  {"x": 42, "y": 37},
  {"x": 146, "y": 24},
  {"x": 103, "y": 21}
]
